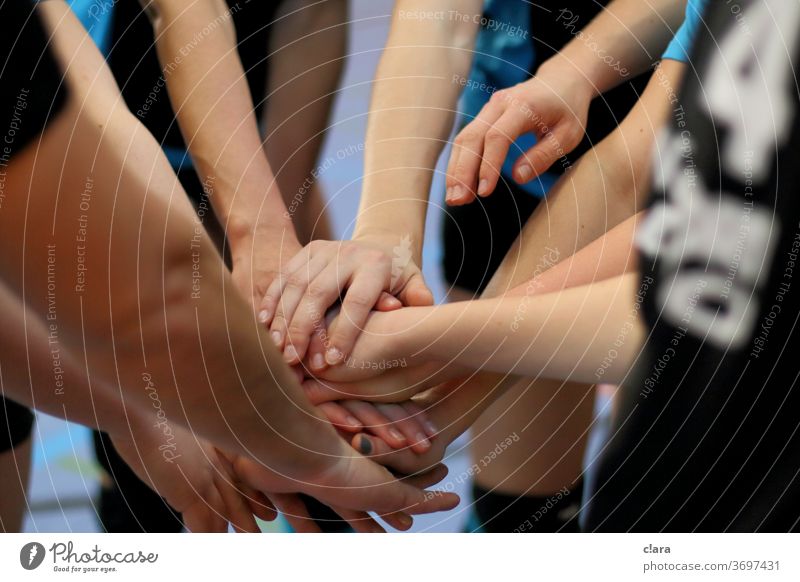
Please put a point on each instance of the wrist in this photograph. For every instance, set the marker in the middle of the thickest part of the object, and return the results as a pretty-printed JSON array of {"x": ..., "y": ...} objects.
[
  {"x": 243, "y": 231},
  {"x": 390, "y": 239},
  {"x": 566, "y": 74},
  {"x": 398, "y": 334}
]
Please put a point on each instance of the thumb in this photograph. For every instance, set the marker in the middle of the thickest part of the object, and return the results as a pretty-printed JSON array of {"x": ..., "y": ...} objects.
[
  {"x": 388, "y": 302},
  {"x": 416, "y": 292}
]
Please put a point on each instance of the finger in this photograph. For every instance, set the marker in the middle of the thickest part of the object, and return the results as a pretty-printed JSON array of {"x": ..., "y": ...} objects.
[
  {"x": 293, "y": 292},
  {"x": 320, "y": 392},
  {"x": 269, "y": 303},
  {"x": 360, "y": 521},
  {"x": 428, "y": 478},
  {"x": 550, "y": 147},
  {"x": 416, "y": 293},
  {"x": 463, "y": 169},
  {"x": 409, "y": 427},
  {"x": 398, "y": 520},
  {"x": 295, "y": 512},
  {"x": 403, "y": 461},
  {"x": 375, "y": 422},
  {"x": 361, "y": 297},
  {"x": 496, "y": 145},
  {"x": 237, "y": 509},
  {"x": 416, "y": 412},
  {"x": 260, "y": 505},
  {"x": 315, "y": 354},
  {"x": 392, "y": 496},
  {"x": 257, "y": 501},
  {"x": 309, "y": 318},
  {"x": 388, "y": 302},
  {"x": 340, "y": 417}
]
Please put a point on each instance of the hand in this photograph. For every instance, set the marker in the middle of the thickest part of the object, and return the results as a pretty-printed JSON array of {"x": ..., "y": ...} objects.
[
  {"x": 452, "y": 407},
  {"x": 192, "y": 476},
  {"x": 257, "y": 255},
  {"x": 400, "y": 425},
  {"x": 347, "y": 481},
  {"x": 371, "y": 273},
  {"x": 394, "y": 385},
  {"x": 553, "y": 105},
  {"x": 296, "y": 513}
]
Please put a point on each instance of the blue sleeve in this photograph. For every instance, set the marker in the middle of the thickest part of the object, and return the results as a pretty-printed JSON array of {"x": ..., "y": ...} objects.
[{"x": 681, "y": 45}]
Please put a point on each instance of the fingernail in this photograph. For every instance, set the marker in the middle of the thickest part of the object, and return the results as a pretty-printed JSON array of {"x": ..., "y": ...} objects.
[
  {"x": 333, "y": 356},
  {"x": 422, "y": 440},
  {"x": 352, "y": 421},
  {"x": 405, "y": 520},
  {"x": 277, "y": 337},
  {"x": 365, "y": 446},
  {"x": 396, "y": 435},
  {"x": 525, "y": 172},
  {"x": 263, "y": 316},
  {"x": 483, "y": 187},
  {"x": 317, "y": 361},
  {"x": 449, "y": 194},
  {"x": 458, "y": 192},
  {"x": 290, "y": 353},
  {"x": 431, "y": 428}
]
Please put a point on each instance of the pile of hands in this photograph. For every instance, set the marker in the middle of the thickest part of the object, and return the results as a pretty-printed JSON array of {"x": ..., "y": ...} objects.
[
  {"x": 394, "y": 419},
  {"x": 334, "y": 309}
]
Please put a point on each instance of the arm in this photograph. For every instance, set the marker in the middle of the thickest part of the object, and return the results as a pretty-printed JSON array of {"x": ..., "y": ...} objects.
[
  {"x": 564, "y": 335},
  {"x": 411, "y": 116},
  {"x": 307, "y": 52},
  {"x": 135, "y": 320},
  {"x": 605, "y": 187},
  {"x": 624, "y": 39},
  {"x": 210, "y": 95}
]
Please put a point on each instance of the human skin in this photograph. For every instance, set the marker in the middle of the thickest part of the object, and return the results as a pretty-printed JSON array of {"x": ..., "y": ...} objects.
[
  {"x": 417, "y": 84},
  {"x": 214, "y": 109},
  {"x": 215, "y": 371}
]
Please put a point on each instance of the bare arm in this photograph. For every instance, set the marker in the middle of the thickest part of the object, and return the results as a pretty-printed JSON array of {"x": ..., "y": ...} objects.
[
  {"x": 196, "y": 43},
  {"x": 96, "y": 190},
  {"x": 307, "y": 52},
  {"x": 411, "y": 114}
]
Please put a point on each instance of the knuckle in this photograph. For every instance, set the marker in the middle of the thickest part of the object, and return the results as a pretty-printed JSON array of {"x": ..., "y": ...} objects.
[
  {"x": 494, "y": 135},
  {"x": 296, "y": 280},
  {"x": 360, "y": 299},
  {"x": 297, "y": 331}
]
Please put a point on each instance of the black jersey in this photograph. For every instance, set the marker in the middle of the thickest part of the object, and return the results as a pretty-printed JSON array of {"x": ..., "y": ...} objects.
[
  {"x": 142, "y": 79},
  {"x": 705, "y": 434},
  {"x": 31, "y": 91}
]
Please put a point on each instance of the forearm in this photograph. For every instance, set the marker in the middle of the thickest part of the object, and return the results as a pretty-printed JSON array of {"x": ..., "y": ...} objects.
[
  {"x": 566, "y": 335},
  {"x": 114, "y": 258},
  {"x": 38, "y": 371},
  {"x": 411, "y": 114},
  {"x": 196, "y": 43},
  {"x": 626, "y": 38},
  {"x": 308, "y": 49},
  {"x": 610, "y": 256}
]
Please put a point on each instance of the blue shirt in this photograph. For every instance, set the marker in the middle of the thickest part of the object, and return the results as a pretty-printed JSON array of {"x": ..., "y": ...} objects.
[
  {"x": 681, "y": 45},
  {"x": 504, "y": 56},
  {"x": 96, "y": 17}
]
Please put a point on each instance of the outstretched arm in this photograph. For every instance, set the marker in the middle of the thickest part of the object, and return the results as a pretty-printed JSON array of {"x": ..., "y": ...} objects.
[
  {"x": 103, "y": 245},
  {"x": 411, "y": 115},
  {"x": 196, "y": 43}
]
